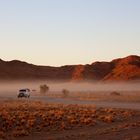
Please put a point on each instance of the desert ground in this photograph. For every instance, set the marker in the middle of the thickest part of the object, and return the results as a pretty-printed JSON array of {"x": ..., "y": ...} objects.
[{"x": 80, "y": 114}]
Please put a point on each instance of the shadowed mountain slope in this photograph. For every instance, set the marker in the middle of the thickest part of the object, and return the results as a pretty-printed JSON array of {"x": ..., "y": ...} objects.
[{"x": 122, "y": 69}]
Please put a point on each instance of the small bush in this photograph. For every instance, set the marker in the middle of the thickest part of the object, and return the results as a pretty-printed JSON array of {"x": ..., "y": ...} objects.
[
  {"x": 114, "y": 93},
  {"x": 44, "y": 89},
  {"x": 65, "y": 92}
]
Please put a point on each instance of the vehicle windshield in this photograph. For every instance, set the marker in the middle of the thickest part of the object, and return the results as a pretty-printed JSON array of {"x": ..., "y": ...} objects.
[{"x": 22, "y": 90}]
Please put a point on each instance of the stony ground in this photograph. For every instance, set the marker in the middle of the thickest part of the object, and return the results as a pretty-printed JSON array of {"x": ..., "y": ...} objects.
[{"x": 38, "y": 120}]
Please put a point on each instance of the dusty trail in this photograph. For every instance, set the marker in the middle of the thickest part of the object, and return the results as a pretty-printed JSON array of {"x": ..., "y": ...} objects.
[
  {"x": 114, "y": 104},
  {"x": 100, "y": 103}
]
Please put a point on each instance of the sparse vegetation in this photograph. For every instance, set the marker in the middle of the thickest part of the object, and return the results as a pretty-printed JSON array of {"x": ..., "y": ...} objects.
[
  {"x": 21, "y": 118},
  {"x": 44, "y": 89},
  {"x": 65, "y": 93},
  {"x": 115, "y": 93}
]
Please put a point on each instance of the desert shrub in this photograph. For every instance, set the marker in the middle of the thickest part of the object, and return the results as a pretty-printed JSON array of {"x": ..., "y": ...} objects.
[
  {"x": 22, "y": 118},
  {"x": 65, "y": 92},
  {"x": 114, "y": 93},
  {"x": 44, "y": 89}
]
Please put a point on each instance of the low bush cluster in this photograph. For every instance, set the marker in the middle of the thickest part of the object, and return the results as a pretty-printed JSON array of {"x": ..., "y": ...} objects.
[{"x": 21, "y": 118}]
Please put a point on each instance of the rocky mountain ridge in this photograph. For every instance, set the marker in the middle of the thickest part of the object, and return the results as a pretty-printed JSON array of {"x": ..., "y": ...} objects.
[{"x": 121, "y": 69}]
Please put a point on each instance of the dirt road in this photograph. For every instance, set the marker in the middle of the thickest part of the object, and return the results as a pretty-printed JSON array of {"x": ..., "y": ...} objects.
[{"x": 98, "y": 103}]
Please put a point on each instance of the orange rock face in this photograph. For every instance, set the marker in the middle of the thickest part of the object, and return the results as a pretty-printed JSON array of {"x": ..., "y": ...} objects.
[{"x": 122, "y": 69}]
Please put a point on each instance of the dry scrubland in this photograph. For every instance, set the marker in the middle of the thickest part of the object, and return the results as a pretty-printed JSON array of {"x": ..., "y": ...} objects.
[{"x": 26, "y": 119}]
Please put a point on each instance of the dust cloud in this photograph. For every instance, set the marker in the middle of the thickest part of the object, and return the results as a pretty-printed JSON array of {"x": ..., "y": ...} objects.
[{"x": 8, "y": 88}]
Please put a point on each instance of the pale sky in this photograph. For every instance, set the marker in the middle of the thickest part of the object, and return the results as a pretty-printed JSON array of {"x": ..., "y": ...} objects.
[{"x": 65, "y": 32}]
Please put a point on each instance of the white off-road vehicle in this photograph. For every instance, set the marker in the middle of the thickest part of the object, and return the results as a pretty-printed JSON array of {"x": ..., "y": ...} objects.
[{"x": 24, "y": 93}]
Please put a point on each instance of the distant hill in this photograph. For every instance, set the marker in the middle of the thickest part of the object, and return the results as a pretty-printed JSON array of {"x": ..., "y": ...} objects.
[
  {"x": 127, "y": 68},
  {"x": 122, "y": 69}
]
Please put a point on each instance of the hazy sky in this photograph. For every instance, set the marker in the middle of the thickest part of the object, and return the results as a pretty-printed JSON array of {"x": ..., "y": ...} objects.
[{"x": 61, "y": 32}]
